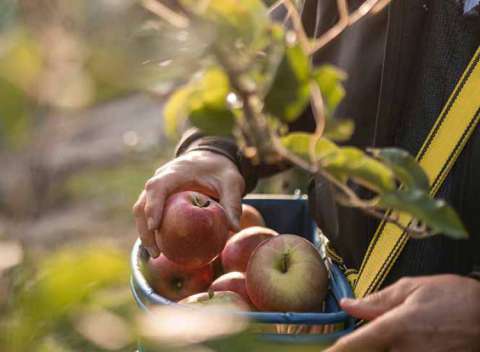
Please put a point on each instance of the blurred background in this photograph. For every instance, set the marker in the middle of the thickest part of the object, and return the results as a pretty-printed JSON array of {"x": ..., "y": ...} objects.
[{"x": 81, "y": 90}]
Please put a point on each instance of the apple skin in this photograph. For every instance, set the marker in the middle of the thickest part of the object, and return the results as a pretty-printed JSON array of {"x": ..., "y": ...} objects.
[
  {"x": 194, "y": 229},
  {"x": 240, "y": 246},
  {"x": 220, "y": 298},
  {"x": 250, "y": 217},
  {"x": 286, "y": 274},
  {"x": 175, "y": 282},
  {"x": 233, "y": 281}
]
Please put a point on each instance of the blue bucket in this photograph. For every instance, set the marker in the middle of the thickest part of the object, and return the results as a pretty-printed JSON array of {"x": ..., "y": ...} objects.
[{"x": 285, "y": 214}]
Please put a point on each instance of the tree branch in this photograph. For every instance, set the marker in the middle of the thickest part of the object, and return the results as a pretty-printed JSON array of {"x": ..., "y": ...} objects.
[
  {"x": 167, "y": 14},
  {"x": 345, "y": 21}
]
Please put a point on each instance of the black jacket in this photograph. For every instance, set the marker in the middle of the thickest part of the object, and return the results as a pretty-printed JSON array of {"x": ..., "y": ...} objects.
[{"x": 402, "y": 65}]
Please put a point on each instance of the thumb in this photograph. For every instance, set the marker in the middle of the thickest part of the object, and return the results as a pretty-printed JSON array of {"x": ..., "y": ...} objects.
[
  {"x": 230, "y": 198},
  {"x": 380, "y": 302}
]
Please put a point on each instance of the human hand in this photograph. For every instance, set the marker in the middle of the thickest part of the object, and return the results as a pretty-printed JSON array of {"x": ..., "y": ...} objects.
[
  {"x": 430, "y": 313},
  {"x": 202, "y": 171}
]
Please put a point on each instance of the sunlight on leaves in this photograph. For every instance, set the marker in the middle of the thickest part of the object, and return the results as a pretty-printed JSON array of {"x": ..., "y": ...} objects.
[
  {"x": 299, "y": 143},
  {"x": 20, "y": 59},
  {"x": 204, "y": 102},
  {"x": 329, "y": 79},
  {"x": 355, "y": 164},
  {"x": 339, "y": 130},
  {"x": 243, "y": 20}
]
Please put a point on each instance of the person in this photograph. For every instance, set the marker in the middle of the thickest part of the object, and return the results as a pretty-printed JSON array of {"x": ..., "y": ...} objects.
[{"x": 402, "y": 64}]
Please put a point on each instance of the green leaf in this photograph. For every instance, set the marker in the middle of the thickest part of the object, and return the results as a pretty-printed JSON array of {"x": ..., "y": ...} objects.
[
  {"x": 204, "y": 102},
  {"x": 208, "y": 104},
  {"x": 289, "y": 93},
  {"x": 353, "y": 163},
  {"x": 213, "y": 121},
  {"x": 329, "y": 79},
  {"x": 339, "y": 130},
  {"x": 405, "y": 167},
  {"x": 237, "y": 20},
  {"x": 299, "y": 142},
  {"x": 176, "y": 110},
  {"x": 436, "y": 214}
]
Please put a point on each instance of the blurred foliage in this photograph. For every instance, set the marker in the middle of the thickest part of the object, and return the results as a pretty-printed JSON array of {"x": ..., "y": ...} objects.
[
  {"x": 290, "y": 90},
  {"x": 51, "y": 298},
  {"x": 204, "y": 101},
  {"x": 115, "y": 187}
]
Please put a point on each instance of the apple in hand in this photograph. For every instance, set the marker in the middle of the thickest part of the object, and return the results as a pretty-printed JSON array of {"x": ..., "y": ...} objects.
[
  {"x": 194, "y": 229},
  {"x": 227, "y": 299},
  {"x": 250, "y": 217},
  {"x": 235, "y": 282},
  {"x": 240, "y": 246},
  {"x": 286, "y": 274},
  {"x": 175, "y": 282}
]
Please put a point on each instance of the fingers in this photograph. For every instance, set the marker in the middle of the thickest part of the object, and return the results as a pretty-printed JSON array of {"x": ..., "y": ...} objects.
[
  {"x": 379, "y": 302},
  {"x": 231, "y": 192},
  {"x": 157, "y": 190},
  {"x": 201, "y": 171},
  {"x": 379, "y": 335},
  {"x": 147, "y": 236}
]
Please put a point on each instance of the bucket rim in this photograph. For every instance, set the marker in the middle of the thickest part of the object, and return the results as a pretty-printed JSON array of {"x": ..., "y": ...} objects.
[{"x": 339, "y": 287}]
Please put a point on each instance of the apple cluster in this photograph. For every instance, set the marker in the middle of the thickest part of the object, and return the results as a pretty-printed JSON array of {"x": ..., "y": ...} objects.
[{"x": 202, "y": 263}]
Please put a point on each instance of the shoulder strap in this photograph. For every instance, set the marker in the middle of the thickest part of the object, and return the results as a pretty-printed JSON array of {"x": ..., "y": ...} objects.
[{"x": 441, "y": 148}]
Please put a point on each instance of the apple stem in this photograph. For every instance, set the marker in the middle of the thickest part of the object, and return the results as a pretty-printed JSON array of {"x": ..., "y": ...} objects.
[
  {"x": 211, "y": 293},
  {"x": 197, "y": 201},
  {"x": 178, "y": 283},
  {"x": 284, "y": 263}
]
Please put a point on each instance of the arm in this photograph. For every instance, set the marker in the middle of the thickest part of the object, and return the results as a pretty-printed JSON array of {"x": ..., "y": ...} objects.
[{"x": 212, "y": 165}]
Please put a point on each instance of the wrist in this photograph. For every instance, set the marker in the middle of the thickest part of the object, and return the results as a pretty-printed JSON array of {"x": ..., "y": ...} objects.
[{"x": 214, "y": 150}]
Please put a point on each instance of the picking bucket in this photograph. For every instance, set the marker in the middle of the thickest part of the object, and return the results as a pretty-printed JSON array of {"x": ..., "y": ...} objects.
[{"x": 285, "y": 214}]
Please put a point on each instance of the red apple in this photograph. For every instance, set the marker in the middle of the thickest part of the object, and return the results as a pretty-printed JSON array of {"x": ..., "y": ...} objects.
[
  {"x": 219, "y": 298},
  {"x": 175, "y": 282},
  {"x": 194, "y": 229},
  {"x": 250, "y": 217},
  {"x": 286, "y": 274},
  {"x": 234, "y": 281},
  {"x": 240, "y": 246}
]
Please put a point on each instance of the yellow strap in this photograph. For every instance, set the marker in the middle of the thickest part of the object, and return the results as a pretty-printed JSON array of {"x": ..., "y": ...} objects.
[{"x": 441, "y": 148}]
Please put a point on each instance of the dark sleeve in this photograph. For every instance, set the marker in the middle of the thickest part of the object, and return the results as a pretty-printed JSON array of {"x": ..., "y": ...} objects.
[{"x": 193, "y": 139}]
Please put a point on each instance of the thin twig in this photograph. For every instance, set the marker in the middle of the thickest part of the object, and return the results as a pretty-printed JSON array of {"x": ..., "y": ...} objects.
[
  {"x": 292, "y": 158},
  {"x": 297, "y": 24},
  {"x": 334, "y": 31},
  {"x": 259, "y": 135},
  {"x": 273, "y": 7},
  {"x": 166, "y": 13},
  {"x": 318, "y": 109},
  {"x": 343, "y": 23}
]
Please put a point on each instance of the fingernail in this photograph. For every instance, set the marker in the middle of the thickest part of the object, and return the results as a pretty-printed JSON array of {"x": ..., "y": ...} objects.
[
  {"x": 151, "y": 224},
  {"x": 152, "y": 251}
]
